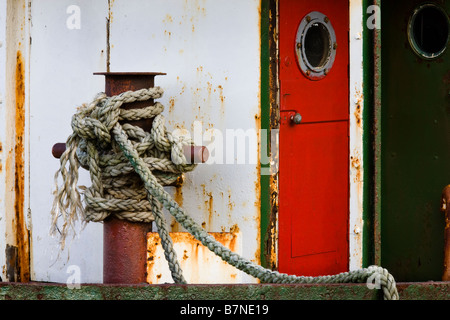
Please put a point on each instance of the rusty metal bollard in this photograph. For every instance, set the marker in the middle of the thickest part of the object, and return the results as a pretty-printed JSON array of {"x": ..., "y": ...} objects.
[
  {"x": 125, "y": 242},
  {"x": 445, "y": 207}
]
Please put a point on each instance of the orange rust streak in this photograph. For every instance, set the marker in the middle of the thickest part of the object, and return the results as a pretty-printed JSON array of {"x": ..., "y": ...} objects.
[
  {"x": 22, "y": 234},
  {"x": 178, "y": 197},
  {"x": 258, "y": 183},
  {"x": 191, "y": 252},
  {"x": 358, "y": 109},
  {"x": 357, "y": 114}
]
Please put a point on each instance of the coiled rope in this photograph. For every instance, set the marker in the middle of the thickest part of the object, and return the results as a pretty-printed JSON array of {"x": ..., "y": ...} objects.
[{"x": 129, "y": 168}]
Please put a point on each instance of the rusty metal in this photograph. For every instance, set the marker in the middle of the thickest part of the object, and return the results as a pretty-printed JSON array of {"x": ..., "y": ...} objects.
[
  {"x": 198, "y": 263},
  {"x": 124, "y": 242},
  {"x": 58, "y": 149},
  {"x": 269, "y": 215},
  {"x": 196, "y": 154},
  {"x": 193, "y": 154},
  {"x": 12, "y": 263},
  {"x": 118, "y": 82},
  {"x": 445, "y": 207},
  {"x": 124, "y": 251},
  {"x": 21, "y": 231},
  {"x": 377, "y": 141}
]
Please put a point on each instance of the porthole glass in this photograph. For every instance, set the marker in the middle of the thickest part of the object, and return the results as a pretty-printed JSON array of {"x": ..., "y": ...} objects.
[
  {"x": 428, "y": 31},
  {"x": 315, "y": 45}
]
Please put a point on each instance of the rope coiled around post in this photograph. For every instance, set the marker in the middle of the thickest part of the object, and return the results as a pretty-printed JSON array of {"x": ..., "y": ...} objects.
[
  {"x": 116, "y": 189},
  {"x": 96, "y": 127}
]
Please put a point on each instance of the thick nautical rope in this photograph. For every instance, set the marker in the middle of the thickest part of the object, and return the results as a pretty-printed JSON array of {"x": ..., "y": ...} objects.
[
  {"x": 380, "y": 275},
  {"x": 116, "y": 189},
  {"x": 158, "y": 196}
]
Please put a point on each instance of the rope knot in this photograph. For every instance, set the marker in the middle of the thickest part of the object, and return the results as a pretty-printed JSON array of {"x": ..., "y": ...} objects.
[{"x": 116, "y": 189}]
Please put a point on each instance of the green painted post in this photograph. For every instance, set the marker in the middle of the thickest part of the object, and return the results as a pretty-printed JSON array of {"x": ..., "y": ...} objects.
[
  {"x": 368, "y": 138},
  {"x": 265, "y": 125}
]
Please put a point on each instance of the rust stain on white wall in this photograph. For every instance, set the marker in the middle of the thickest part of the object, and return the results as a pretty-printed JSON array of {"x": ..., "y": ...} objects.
[{"x": 198, "y": 263}]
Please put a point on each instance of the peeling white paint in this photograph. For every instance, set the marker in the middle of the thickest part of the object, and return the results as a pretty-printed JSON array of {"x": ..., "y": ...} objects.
[
  {"x": 2, "y": 139},
  {"x": 356, "y": 134},
  {"x": 62, "y": 63},
  {"x": 199, "y": 264},
  {"x": 212, "y": 63},
  {"x": 14, "y": 35},
  {"x": 210, "y": 51}
]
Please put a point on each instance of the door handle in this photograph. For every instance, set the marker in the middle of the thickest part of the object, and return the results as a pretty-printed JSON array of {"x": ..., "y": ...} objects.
[
  {"x": 296, "y": 118},
  {"x": 290, "y": 117}
]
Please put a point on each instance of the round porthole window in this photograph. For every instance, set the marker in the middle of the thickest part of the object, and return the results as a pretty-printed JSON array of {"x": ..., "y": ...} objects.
[
  {"x": 315, "y": 45},
  {"x": 428, "y": 31}
]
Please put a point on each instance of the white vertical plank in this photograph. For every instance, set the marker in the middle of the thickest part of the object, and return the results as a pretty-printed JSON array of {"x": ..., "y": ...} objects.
[
  {"x": 356, "y": 134},
  {"x": 210, "y": 50},
  {"x": 62, "y": 62},
  {"x": 2, "y": 136},
  {"x": 14, "y": 152}
]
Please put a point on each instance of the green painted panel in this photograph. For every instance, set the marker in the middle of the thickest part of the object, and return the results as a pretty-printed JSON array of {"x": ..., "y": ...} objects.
[
  {"x": 415, "y": 144},
  {"x": 368, "y": 213},
  {"x": 265, "y": 125},
  {"x": 229, "y": 293}
]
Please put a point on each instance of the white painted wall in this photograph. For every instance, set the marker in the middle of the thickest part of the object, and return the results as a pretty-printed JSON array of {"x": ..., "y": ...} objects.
[
  {"x": 210, "y": 51},
  {"x": 356, "y": 108},
  {"x": 2, "y": 135},
  {"x": 14, "y": 36},
  {"x": 61, "y": 65}
]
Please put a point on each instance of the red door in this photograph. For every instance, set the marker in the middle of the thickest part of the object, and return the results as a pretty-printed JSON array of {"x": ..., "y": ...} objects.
[{"x": 314, "y": 142}]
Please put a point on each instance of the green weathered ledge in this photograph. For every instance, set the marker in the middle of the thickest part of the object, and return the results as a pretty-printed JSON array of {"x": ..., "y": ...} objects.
[{"x": 53, "y": 291}]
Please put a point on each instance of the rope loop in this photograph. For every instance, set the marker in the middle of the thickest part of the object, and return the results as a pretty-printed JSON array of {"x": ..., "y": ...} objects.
[
  {"x": 129, "y": 169},
  {"x": 116, "y": 188}
]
